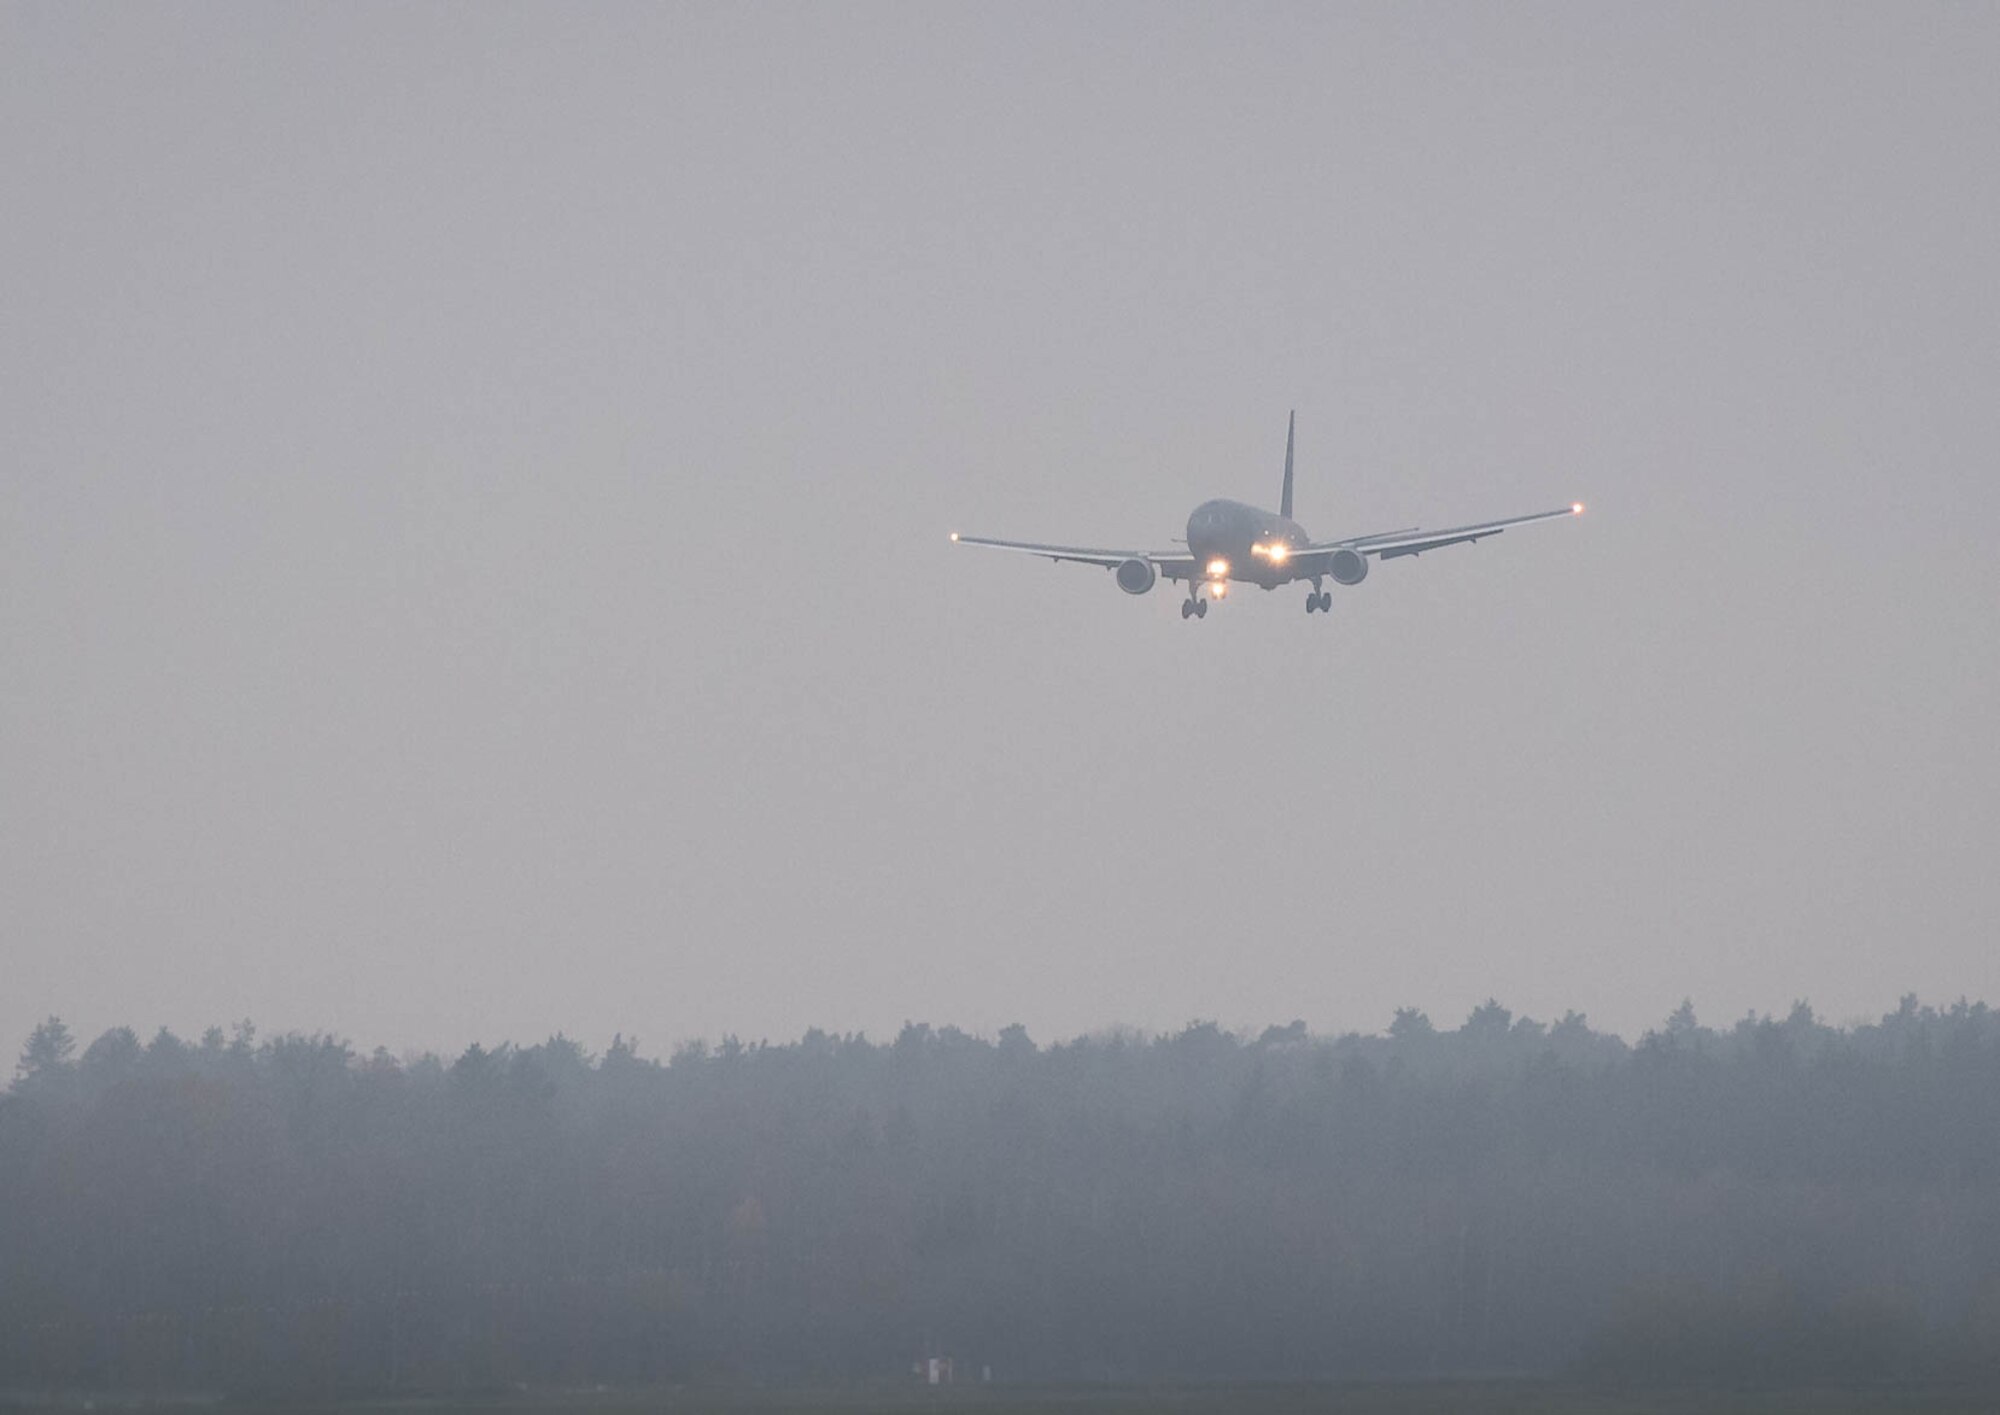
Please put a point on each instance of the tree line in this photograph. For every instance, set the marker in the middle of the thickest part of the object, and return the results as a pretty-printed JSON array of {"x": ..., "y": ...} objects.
[{"x": 1778, "y": 1200}]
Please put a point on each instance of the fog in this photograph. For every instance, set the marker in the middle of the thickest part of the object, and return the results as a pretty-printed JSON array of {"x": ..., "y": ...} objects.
[
  {"x": 475, "y": 482},
  {"x": 474, "y": 497}
]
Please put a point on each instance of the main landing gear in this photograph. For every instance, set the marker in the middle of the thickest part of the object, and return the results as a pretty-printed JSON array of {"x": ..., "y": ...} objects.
[
  {"x": 1319, "y": 600},
  {"x": 1195, "y": 608}
]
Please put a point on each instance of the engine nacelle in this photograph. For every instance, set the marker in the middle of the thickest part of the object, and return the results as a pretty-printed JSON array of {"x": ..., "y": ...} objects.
[
  {"x": 1348, "y": 567},
  {"x": 1136, "y": 576}
]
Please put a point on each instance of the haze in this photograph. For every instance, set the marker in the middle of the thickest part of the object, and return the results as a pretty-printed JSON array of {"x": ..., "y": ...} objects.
[{"x": 474, "y": 485}]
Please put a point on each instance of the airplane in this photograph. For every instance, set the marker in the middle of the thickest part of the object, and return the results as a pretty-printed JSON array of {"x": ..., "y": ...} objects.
[{"x": 1230, "y": 542}]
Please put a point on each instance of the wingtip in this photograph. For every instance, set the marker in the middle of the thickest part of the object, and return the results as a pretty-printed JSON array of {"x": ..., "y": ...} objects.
[
  {"x": 1575, "y": 509},
  {"x": 954, "y": 537}
]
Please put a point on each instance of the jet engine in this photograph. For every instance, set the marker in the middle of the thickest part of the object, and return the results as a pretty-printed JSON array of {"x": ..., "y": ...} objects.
[
  {"x": 1136, "y": 576},
  {"x": 1348, "y": 567}
]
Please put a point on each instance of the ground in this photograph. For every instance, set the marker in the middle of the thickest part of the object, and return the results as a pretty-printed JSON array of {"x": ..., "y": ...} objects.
[{"x": 1444, "y": 1398}]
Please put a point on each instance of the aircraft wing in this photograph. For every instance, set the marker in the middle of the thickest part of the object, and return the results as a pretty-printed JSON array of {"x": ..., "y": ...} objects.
[
  {"x": 1174, "y": 564},
  {"x": 1390, "y": 544}
]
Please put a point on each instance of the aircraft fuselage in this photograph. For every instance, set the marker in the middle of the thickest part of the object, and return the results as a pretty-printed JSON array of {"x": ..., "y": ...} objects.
[
  {"x": 1254, "y": 545},
  {"x": 1234, "y": 541}
]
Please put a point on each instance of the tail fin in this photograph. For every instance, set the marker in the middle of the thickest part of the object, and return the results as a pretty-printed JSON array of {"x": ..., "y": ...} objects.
[{"x": 1285, "y": 500}]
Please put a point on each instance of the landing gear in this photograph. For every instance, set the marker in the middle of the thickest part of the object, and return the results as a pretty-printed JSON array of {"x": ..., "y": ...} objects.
[
  {"x": 1320, "y": 601},
  {"x": 1195, "y": 607}
]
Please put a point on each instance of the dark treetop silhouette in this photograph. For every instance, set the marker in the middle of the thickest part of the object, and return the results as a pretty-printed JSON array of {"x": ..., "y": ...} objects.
[{"x": 1775, "y": 1200}]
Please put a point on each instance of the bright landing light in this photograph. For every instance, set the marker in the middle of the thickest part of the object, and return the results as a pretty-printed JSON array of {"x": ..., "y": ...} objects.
[
  {"x": 954, "y": 535},
  {"x": 1218, "y": 566},
  {"x": 1576, "y": 508}
]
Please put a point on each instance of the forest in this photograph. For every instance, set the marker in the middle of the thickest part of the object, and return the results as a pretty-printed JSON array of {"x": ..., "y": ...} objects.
[{"x": 1775, "y": 1201}]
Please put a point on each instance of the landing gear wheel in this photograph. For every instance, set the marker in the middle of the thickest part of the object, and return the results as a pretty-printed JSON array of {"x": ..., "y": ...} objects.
[
  {"x": 1201, "y": 609},
  {"x": 1187, "y": 608},
  {"x": 1312, "y": 604},
  {"x": 1326, "y": 601}
]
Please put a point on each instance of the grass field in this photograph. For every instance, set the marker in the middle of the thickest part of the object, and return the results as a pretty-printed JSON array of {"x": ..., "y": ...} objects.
[{"x": 1443, "y": 1398}]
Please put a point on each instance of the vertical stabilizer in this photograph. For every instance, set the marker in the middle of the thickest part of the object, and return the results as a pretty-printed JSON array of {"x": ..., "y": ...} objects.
[{"x": 1285, "y": 500}]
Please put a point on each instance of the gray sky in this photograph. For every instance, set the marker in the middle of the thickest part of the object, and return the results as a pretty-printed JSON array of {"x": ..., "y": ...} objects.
[{"x": 474, "y": 483}]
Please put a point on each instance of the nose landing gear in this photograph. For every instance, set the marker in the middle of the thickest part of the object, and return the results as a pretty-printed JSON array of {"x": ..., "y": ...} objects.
[{"x": 1193, "y": 607}]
